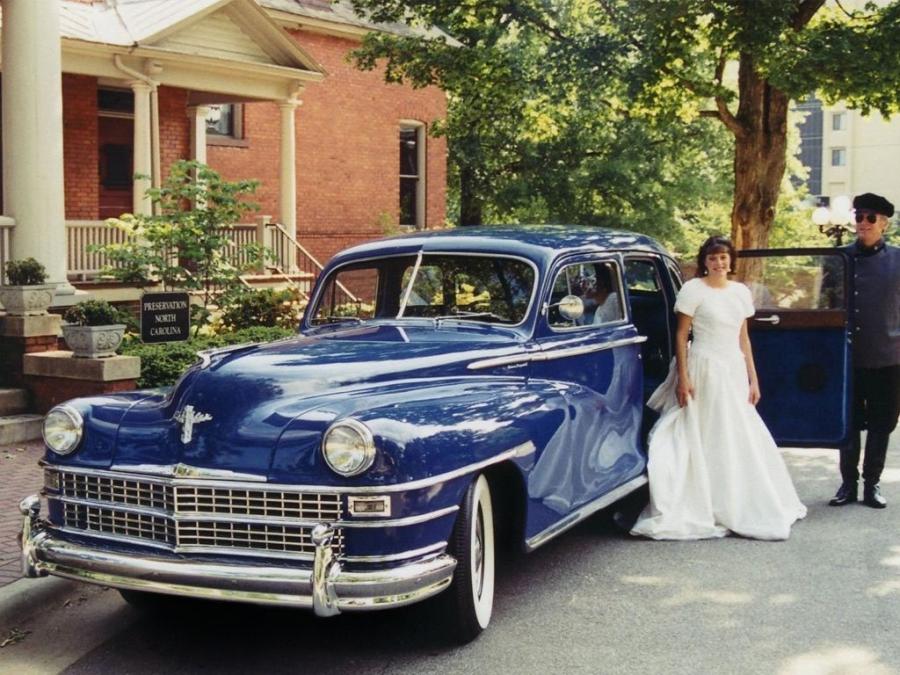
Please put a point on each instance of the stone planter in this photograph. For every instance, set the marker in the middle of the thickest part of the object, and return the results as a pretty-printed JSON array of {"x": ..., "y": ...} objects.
[
  {"x": 27, "y": 300},
  {"x": 91, "y": 342}
]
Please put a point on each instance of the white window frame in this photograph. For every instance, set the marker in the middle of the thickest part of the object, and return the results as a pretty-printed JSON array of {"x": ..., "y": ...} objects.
[
  {"x": 839, "y": 121},
  {"x": 421, "y": 178},
  {"x": 839, "y": 153}
]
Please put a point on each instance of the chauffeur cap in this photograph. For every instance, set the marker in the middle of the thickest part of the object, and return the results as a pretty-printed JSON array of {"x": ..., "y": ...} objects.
[{"x": 874, "y": 203}]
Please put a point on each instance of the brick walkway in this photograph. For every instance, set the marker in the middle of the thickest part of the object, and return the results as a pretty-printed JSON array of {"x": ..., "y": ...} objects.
[{"x": 20, "y": 476}]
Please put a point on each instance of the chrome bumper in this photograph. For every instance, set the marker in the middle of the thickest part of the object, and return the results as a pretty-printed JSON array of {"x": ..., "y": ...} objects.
[{"x": 326, "y": 589}]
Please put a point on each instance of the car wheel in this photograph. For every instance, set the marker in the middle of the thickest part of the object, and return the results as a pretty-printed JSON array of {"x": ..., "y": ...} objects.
[{"x": 471, "y": 594}]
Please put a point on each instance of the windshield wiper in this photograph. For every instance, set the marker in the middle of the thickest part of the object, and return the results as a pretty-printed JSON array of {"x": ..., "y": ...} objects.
[
  {"x": 463, "y": 315},
  {"x": 342, "y": 319}
]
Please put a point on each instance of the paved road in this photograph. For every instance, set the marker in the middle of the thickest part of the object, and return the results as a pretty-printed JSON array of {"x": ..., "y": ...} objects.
[{"x": 593, "y": 601}]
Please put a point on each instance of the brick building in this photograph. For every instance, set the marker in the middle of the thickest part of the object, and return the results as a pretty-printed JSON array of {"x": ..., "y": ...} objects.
[{"x": 255, "y": 88}]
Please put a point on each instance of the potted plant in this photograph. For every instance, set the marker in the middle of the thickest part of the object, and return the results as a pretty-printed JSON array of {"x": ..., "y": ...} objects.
[
  {"x": 27, "y": 293},
  {"x": 93, "y": 329}
]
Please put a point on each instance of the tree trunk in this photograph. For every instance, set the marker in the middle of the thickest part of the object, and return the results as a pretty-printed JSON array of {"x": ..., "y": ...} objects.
[
  {"x": 470, "y": 202},
  {"x": 759, "y": 157}
]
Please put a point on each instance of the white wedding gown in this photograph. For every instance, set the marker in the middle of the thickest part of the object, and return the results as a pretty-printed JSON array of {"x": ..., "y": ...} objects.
[{"x": 713, "y": 465}]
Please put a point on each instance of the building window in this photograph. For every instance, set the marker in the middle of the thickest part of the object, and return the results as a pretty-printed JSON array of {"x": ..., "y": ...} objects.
[
  {"x": 839, "y": 157},
  {"x": 115, "y": 102},
  {"x": 838, "y": 121},
  {"x": 225, "y": 121},
  {"x": 412, "y": 178}
]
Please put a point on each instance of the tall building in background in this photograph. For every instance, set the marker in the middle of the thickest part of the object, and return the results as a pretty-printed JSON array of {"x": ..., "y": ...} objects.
[{"x": 845, "y": 152}]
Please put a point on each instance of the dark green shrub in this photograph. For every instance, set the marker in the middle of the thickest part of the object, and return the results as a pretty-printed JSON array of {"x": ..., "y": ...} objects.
[
  {"x": 26, "y": 272},
  {"x": 162, "y": 364},
  {"x": 263, "y": 307},
  {"x": 94, "y": 313}
]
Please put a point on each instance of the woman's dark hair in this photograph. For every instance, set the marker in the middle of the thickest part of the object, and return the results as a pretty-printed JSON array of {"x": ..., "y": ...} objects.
[{"x": 715, "y": 244}]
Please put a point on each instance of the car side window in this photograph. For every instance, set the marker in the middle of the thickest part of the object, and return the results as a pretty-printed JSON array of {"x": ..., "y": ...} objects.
[
  {"x": 350, "y": 293},
  {"x": 598, "y": 284},
  {"x": 796, "y": 282}
]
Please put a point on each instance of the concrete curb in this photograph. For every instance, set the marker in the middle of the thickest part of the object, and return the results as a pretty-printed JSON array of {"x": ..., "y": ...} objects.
[{"x": 24, "y": 598}]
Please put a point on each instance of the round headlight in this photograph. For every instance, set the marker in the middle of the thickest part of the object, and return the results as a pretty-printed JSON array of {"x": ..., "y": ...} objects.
[
  {"x": 348, "y": 447},
  {"x": 62, "y": 429}
]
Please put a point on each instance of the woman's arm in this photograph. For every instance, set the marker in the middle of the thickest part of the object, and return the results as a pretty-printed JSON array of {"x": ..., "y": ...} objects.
[
  {"x": 751, "y": 366},
  {"x": 685, "y": 388}
]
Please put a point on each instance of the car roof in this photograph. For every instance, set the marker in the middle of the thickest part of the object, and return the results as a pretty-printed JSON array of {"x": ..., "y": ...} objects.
[{"x": 535, "y": 242}]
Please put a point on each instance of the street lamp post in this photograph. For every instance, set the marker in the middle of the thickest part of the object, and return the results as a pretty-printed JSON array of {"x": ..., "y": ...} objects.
[{"x": 834, "y": 221}]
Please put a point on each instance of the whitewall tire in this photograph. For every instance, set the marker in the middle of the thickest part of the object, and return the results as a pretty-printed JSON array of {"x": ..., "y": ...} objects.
[{"x": 471, "y": 595}]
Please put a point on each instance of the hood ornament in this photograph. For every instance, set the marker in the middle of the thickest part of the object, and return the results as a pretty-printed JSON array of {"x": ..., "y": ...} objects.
[{"x": 187, "y": 418}]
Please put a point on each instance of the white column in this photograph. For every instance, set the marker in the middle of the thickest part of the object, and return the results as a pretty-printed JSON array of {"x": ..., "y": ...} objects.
[
  {"x": 288, "y": 175},
  {"x": 143, "y": 157},
  {"x": 33, "y": 175},
  {"x": 197, "y": 115}
]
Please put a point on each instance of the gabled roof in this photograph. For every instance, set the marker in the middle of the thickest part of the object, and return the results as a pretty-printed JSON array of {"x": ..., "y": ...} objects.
[
  {"x": 237, "y": 30},
  {"x": 340, "y": 13}
]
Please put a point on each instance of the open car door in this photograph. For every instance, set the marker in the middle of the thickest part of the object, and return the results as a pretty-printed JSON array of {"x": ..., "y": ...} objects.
[{"x": 802, "y": 342}]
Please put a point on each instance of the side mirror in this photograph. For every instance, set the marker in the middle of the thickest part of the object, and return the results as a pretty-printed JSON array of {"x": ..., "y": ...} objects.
[{"x": 571, "y": 308}]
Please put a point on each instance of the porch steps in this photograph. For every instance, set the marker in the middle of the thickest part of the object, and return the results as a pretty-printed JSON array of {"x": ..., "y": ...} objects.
[
  {"x": 15, "y": 425},
  {"x": 13, "y": 401}
]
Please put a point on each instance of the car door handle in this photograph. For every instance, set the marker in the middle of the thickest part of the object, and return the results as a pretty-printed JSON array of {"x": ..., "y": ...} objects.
[{"x": 774, "y": 319}]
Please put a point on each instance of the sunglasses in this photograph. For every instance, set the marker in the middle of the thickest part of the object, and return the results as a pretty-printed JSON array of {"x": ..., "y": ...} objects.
[{"x": 868, "y": 215}]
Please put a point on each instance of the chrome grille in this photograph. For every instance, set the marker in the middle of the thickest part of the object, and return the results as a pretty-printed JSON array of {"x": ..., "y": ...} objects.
[
  {"x": 116, "y": 490},
  {"x": 121, "y": 523},
  {"x": 262, "y": 503},
  {"x": 253, "y": 536},
  {"x": 242, "y": 519}
]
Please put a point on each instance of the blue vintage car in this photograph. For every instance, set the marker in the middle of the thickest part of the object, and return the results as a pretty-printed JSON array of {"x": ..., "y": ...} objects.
[{"x": 444, "y": 389}]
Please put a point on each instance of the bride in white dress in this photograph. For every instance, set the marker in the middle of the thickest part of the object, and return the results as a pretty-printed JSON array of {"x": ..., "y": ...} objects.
[{"x": 713, "y": 465}]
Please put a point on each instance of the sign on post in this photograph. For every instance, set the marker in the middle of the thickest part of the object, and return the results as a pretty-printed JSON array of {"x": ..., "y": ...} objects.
[{"x": 165, "y": 317}]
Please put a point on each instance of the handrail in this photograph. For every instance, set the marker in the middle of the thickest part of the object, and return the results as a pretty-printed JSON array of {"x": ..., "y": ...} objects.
[{"x": 287, "y": 235}]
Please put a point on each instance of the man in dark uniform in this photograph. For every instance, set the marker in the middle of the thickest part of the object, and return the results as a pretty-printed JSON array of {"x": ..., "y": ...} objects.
[{"x": 876, "y": 350}]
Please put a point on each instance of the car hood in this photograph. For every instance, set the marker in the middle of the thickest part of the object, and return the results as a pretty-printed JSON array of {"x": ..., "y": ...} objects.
[{"x": 243, "y": 400}]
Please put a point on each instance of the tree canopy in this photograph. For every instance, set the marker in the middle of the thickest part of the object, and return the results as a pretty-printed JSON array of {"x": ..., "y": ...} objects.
[{"x": 637, "y": 113}]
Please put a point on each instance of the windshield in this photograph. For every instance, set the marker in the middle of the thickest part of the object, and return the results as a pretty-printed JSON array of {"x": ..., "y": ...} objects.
[{"x": 489, "y": 289}]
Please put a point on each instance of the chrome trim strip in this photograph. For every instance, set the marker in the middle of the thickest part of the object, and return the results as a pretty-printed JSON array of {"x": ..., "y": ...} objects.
[
  {"x": 553, "y": 354},
  {"x": 244, "y": 552},
  {"x": 186, "y": 471},
  {"x": 583, "y": 512},
  {"x": 282, "y": 487},
  {"x": 399, "y": 522},
  {"x": 434, "y": 480},
  {"x": 395, "y": 556}
]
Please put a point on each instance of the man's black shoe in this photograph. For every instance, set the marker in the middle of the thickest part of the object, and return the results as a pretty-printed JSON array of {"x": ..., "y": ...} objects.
[
  {"x": 872, "y": 497},
  {"x": 846, "y": 494}
]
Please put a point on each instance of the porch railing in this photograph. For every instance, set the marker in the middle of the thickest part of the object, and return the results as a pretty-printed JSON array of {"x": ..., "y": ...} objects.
[
  {"x": 290, "y": 260},
  {"x": 81, "y": 235}
]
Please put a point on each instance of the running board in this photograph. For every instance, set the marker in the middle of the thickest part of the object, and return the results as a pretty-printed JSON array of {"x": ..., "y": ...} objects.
[{"x": 583, "y": 512}]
